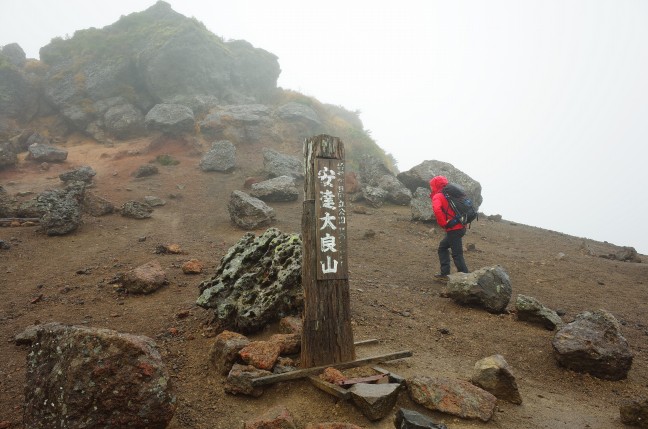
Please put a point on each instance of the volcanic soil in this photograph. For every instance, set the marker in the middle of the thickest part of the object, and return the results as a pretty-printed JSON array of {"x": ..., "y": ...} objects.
[{"x": 67, "y": 279}]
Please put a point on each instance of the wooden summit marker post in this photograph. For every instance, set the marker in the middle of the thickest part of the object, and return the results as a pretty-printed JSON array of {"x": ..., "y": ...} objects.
[{"x": 327, "y": 336}]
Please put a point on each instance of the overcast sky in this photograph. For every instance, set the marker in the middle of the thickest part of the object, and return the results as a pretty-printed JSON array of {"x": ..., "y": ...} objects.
[{"x": 545, "y": 103}]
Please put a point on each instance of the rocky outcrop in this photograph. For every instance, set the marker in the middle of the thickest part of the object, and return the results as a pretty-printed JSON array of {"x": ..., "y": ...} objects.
[
  {"x": 593, "y": 344},
  {"x": 95, "y": 378},
  {"x": 257, "y": 282},
  {"x": 124, "y": 121},
  {"x": 19, "y": 97},
  {"x": 247, "y": 123},
  {"x": 150, "y": 57},
  {"x": 488, "y": 288},
  {"x": 420, "y": 175}
]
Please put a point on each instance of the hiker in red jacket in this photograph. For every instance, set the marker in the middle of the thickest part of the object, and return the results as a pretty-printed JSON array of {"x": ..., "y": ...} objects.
[{"x": 452, "y": 241}]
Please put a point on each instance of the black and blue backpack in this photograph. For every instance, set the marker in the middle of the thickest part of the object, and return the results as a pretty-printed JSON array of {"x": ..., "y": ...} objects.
[{"x": 461, "y": 204}]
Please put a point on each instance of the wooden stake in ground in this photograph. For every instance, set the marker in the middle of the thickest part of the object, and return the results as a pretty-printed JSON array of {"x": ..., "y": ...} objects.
[{"x": 327, "y": 335}]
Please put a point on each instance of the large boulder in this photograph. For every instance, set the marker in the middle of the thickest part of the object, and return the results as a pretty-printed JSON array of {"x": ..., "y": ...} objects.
[
  {"x": 247, "y": 123},
  {"x": 593, "y": 344},
  {"x": 40, "y": 152},
  {"x": 124, "y": 121},
  {"x": 61, "y": 209},
  {"x": 221, "y": 157},
  {"x": 248, "y": 212},
  {"x": 452, "y": 396},
  {"x": 257, "y": 282},
  {"x": 8, "y": 156},
  {"x": 277, "y": 164},
  {"x": 488, "y": 288},
  {"x": 95, "y": 378},
  {"x": 421, "y": 205},
  {"x": 420, "y": 176},
  {"x": 280, "y": 188}
]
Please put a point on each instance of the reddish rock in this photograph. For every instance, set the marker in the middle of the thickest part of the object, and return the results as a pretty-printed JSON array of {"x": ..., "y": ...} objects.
[
  {"x": 332, "y": 375},
  {"x": 224, "y": 351},
  {"x": 144, "y": 279},
  {"x": 193, "y": 266},
  {"x": 260, "y": 354},
  {"x": 351, "y": 183},
  {"x": 249, "y": 181},
  {"x": 101, "y": 379},
  {"x": 289, "y": 344},
  {"x": 456, "y": 397},
  {"x": 291, "y": 325},
  {"x": 276, "y": 418}
]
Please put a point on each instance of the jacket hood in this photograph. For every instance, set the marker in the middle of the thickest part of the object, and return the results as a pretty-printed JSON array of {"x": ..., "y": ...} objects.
[{"x": 437, "y": 183}]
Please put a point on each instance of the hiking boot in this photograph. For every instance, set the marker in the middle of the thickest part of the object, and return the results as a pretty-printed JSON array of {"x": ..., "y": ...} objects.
[{"x": 442, "y": 278}]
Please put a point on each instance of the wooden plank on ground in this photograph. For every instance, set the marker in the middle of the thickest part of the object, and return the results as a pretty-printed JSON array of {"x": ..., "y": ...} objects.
[
  {"x": 301, "y": 373},
  {"x": 365, "y": 342},
  {"x": 330, "y": 388}
]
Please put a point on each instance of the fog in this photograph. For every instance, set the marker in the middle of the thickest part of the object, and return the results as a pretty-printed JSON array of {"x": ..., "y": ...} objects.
[{"x": 545, "y": 103}]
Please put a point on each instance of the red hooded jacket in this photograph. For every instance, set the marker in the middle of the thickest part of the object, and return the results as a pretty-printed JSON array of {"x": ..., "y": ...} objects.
[{"x": 442, "y": 210}]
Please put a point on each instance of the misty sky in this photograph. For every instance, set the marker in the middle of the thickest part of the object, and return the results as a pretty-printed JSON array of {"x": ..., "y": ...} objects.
[{"x": 545, "y": 103}]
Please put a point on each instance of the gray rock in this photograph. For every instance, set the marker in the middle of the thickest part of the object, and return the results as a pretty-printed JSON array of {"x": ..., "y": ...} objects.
[
  {"x": 221, "y": 157},
  {"x": 95, "y": 205},
  {"x": 154, "y": 201},
  {"x": 101, "y": 378},
  {"x": 8, "y": 156},
  {"x": 257, "y": 282},
  {"x": 456, "y": 397},
  {"x": 531, "y": 310},
  {"x": 635, "y": 412},
  {"x": 408, "y": 419},
  {"x": 172, "y": 119},
  {"x": 421, "y": 206},
  {"x": 248, "y": 212},
  {"x": 593, "y": 344},
  {"x": 61, "y": 209},
  {"x": 15, "y": 54},
  {"x": 372, "y": 170},
  {"x": 145, "y": 279},
  {"x": 374, "y": 195},
  {"x": 247, "y": 123},
  {"x": 224, "y": 352},
  {"x": 124, "y": 121},
  {"x": 20, "y": 91},
  {"x": 45, "y": 153},
  {"x": 239, "y": 380},
  {"x": 277, "y": 164},
  {"x": 82, "y": 174},
  {"x": 280, "y": 188},
  {"x": 397, "y": 193},
  {"x": 494, "y": 375},
  {"x": 420, "y": 176},
  {"x": 136, "y": 210},
  {"x": 488, "y": 288},
  {"x": 375, "y": 401},
  {"x": 293, "y": 111}
]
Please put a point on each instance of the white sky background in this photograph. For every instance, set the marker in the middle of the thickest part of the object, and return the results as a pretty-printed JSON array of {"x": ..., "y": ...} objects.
[{"x": 545, "y": 102}]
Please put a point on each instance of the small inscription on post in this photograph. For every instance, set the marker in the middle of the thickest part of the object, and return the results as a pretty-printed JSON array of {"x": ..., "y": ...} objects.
[{"x": 330, "y": 211}]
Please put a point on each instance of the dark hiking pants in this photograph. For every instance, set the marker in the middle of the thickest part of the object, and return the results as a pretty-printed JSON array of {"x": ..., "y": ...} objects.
[{"x": 452, "y": 242}]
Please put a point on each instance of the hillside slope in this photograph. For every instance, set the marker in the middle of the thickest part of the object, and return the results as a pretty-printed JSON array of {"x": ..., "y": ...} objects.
[{"x": 392, "y": 259}]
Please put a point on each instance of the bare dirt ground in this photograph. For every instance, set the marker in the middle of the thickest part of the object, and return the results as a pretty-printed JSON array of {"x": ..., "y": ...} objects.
[{"x": 67, "y": 279}]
